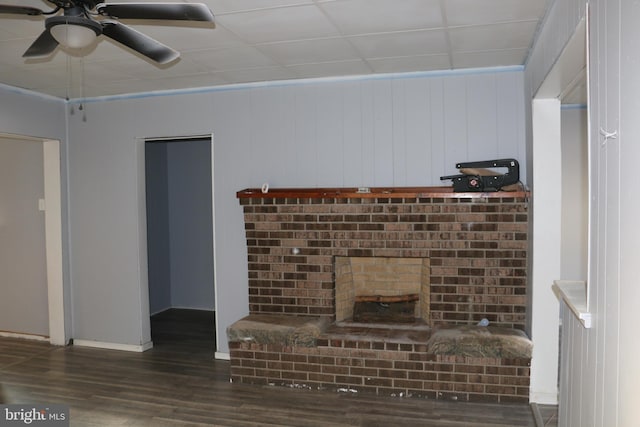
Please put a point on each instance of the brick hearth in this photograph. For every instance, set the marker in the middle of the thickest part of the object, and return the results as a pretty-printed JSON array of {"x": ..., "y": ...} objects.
[{"x": 381, "y": 366}]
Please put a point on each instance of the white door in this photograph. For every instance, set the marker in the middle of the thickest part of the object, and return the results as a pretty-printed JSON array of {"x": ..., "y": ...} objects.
[{"x": 23, "y": 270}]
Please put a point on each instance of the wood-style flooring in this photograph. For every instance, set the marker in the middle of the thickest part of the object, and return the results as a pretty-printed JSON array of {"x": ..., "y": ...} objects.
[{"x": 178, "y": 383}]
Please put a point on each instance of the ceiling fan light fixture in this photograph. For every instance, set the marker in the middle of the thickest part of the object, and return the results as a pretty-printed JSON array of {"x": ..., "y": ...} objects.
[{"x": 73, "y": 32}]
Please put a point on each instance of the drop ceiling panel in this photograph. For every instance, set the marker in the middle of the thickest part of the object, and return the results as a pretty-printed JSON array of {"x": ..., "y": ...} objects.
[
  {"x": 228, "y": 6},
  {"x": 250, "y": 75},
  {"x": 309, "y": 51},
  {"x": 96, "y": 72},
  {"x": 474, "y": 12},
  {"x": 488, "y": 58},
  {"x": 185, "y": 38},
  {"x": 410, "y": 63},
  {"x": 231, "y": 59},
  {"x": 258, "y": 40},
  {"x": 375, "y": 16},
  {"x": 324, "y": 69},
  {"x": 30, "y": 78},
  {"x": 427, "y": 42},
  {"x": 492, "y": 37},
  {"x": 278, "y": 24},
  {"x": 21, "y": 27}
]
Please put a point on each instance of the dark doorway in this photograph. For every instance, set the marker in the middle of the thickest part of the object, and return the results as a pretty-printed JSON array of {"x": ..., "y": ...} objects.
[
  {"x": 178, "y": 180},
  {"x": 187, "y": 331}
]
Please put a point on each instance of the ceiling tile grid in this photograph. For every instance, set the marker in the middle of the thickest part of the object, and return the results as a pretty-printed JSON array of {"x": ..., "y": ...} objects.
[{"x": 270, "y": 40}]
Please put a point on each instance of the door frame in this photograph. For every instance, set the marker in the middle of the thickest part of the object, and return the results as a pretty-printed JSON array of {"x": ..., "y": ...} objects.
[
  {"x": 546, "y": 253},
  {"x": 142, "y": 231},
  {"x": 58, "y": 333}
]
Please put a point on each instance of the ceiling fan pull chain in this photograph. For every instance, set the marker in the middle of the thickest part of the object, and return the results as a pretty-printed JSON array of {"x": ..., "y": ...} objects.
[
  {"x": 84, "y": 112},
  {"x": 81, "y": 84},
  {"x": 69, "y": 83}
]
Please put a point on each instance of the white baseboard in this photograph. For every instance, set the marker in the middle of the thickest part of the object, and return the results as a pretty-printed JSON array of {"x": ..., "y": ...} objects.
[
  {"x": 114, "y": 346},
  {"x": 24, "y": 336},
  {"x": 222, "y": 356},
  {"x": 162, "y": 310},
  {"x": 543, "y": 398}
]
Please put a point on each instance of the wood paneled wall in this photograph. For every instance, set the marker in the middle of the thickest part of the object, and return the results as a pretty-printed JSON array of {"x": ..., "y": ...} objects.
[
  {"x": 398, "y": 130},
  {"x": 387, "y": 132}
]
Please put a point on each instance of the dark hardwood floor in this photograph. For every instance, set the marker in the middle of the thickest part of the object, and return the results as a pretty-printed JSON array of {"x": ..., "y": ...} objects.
[{"x": 178, "y": 383}]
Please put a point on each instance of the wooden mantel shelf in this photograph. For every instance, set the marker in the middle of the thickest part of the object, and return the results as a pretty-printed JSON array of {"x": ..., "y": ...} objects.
[{"x": 372, "y": 193}]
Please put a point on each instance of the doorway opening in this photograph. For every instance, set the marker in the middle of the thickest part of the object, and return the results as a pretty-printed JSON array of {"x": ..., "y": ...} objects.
[
  {"x": 32, "y": 207},
  {"x": 561, "y": 204},
  {"x": 180, "y": 262}
]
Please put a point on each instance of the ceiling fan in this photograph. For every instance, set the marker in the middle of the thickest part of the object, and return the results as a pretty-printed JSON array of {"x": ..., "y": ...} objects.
[{"x": 82, "y": 21}]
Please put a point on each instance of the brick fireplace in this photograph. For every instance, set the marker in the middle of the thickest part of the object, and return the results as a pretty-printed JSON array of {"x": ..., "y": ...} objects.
[
  {"x": 463, "y": 255},
  {"x": 476, "y": 244}
]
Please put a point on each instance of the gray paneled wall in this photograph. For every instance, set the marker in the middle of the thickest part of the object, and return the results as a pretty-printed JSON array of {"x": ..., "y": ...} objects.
[
  {"x": 599, "y": 369},
  {"x": 405, "y": 130},
  {"x": 34, "y": 115},
  {"x": 381, "y": 132}
]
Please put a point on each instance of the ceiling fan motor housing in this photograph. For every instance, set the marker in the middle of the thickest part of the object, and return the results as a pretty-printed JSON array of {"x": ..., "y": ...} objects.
[
  {"x": 64, "y": 4},
  {"x": 73, "y": 29},
  {"x": 73, "y": 20}
]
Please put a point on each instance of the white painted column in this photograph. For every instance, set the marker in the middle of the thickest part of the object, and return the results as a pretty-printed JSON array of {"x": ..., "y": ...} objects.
[
  {"x": 53, "y": 239},
  {"x": 546, "y": 254}
]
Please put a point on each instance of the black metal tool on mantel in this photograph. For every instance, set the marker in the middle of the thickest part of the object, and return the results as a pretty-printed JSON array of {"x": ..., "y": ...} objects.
[{"x": 478, "y": 176}]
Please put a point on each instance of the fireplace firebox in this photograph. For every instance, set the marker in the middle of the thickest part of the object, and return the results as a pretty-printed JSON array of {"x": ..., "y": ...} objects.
[{"x": 382, "y": 289}]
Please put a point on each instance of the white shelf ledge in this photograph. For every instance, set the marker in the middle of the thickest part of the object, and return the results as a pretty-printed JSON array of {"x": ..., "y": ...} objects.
[{"x": 574, "y": 295}]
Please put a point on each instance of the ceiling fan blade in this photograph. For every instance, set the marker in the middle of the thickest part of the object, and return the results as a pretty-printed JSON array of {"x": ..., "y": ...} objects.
[
  {"x": 44, "y": 45},
  {"x": 20, "y": 10},
  {"x": 169, "y": 11},
  {"x": 139, "y": 42}
]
